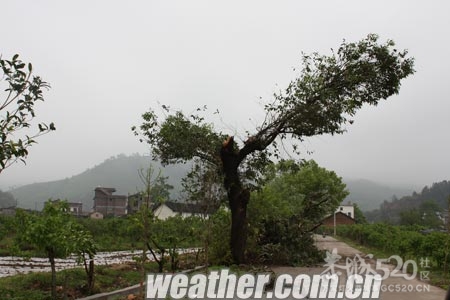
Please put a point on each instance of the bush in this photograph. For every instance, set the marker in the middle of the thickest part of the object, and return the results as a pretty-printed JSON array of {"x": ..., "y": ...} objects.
[{"x": 219, "y": 249}]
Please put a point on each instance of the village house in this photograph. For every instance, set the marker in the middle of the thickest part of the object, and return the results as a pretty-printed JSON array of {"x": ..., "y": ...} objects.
[
  {"x": 76, "y": 208},
  {"x": 8, "y": 211},
  {"x": 341, "y": 219},
  {"x": 135, "y": 202},
  {"x": 108, "y": 204},
  {"x": 347, "y": 209},
  {"x": 171, "y": 209},
  {"x": 344, "y": 215}
]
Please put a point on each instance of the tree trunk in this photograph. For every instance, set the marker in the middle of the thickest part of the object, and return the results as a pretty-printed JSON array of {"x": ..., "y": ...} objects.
[
  {"x": 91, "y": 277},
  {"x": 51, "y": 258},
  {"x": 238, "y": 198},
  {"x": 89, "y": 269},
  {"x": 238, "y": 238}
]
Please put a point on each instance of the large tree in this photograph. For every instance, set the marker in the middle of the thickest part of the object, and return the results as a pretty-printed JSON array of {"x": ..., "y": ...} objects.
[
  {"x": 22, "y": 92},
  {"x": 321, "y": 100}
]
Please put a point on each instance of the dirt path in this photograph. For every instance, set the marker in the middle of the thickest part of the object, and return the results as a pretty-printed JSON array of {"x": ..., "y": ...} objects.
[{"x": 392, "y": 288}]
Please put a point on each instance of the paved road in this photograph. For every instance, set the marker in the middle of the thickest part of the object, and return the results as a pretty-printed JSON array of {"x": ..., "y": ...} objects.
[{"x": 393, "y": 288}]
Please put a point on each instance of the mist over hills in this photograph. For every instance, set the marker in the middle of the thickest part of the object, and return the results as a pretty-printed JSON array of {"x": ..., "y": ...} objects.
[
  {"x": 121, "y": 173},
  {"x": 370, "y": 195},
  {"x": 390, "y": 211}
]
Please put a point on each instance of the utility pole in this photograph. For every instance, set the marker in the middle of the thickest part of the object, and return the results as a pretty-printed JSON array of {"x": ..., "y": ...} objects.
[
  {"x": 448, "y": 237},
  {"x": 334, "y": 220},
  {"x": 448, "y": 215}
]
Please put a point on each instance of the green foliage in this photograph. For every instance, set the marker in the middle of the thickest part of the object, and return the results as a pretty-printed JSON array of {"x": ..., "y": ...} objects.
[
  {"x": 172, "y": 234},
  {"x": 426, "y": 215},
  {"x": 7, "y": 228},
  {"x": 35, "y": 286},
  {"x": 328, "y": 91},
  {"x": 322, "y": 100},
  {"x": 219, "y": 252},
  {"x": 405, "y": 241},
  {"x": 110, "y": 234},
  {"x": 304, "y": 189},
  {"x": 179, "y": 138},
  {"x": 57, "y": 234},
  {"x": 292, "y": 203},
  {"x": 359, "y": 215},
  {"x": 203, "y": 186},
  {"x": 46, "y": 231},
  {"x": 23, "y": 91},
  {"x": 390, "y": 211}
]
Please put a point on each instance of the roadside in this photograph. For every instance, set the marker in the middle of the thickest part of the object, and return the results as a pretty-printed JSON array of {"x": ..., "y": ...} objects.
[{"x": 393, "y": 288}]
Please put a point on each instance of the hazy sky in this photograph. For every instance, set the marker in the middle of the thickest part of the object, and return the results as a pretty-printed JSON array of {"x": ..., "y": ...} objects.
[{"x": 109, "y": 61}]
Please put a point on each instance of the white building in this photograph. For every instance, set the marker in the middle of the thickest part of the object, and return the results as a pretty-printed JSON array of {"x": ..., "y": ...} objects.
[
  {"x": 171, "y": 209},
  {"x": 347, "y": 209}
]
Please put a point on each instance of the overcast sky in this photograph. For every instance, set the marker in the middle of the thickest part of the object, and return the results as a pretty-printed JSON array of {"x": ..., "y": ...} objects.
[{"x": 109, "y": 61}]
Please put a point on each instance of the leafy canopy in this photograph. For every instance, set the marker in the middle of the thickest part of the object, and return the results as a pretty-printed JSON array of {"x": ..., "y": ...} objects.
[
  {"x": 294, "y": 200},
  {"x": 321, "y": 100},
  {"x": 55, "y": 231},
  {"x": 303, "y": 190},
  {"x": 23, "y": 91}
]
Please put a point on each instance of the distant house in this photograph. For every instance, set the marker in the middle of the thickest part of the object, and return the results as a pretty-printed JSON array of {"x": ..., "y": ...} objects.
[
  {"x": 135, "y": 202},
  {"x": 108, "y": 204},
  {"x": 345, "y": 215},
  {"x": 341, "y": 219},
  {"x": 347, "y": 209},
  {"x": 76, "y": 208},
  {"x": 8, "y": 211},
  {"x": 171, "y": 209}
]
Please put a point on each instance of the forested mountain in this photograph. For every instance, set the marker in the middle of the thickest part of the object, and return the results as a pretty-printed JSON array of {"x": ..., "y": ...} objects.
[
  {"x": 370, "y": 195},
  {"x": 120, "y": 172},
  {"x": 389, "y": 211}
]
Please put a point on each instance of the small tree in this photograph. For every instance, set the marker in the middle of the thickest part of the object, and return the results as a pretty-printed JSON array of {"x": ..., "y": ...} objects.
[
  {"x": 322, "y": 100},
  {"x": 55, "y": 233},
  {"x": 202, "y": 186},
  {"x": 85, "y": 249},
  {"x": 170, "y": 235},
  {"x": 156, "y": 190},
  {"x": 17, "y": 110}
]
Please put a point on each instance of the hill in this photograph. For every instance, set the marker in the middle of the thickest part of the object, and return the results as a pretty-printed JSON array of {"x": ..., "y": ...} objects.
[
  {"x": 389, "y": 211},
  {"x": 119, "y": 172},
  {"x": 370, "y": 195}
]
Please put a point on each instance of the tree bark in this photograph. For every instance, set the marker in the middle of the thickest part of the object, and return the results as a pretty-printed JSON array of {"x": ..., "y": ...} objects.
[
  {"x": 238, "y": 198},
  {"x": 51, "y": 258},
  {"x": 238, "y": 238},
  {"x": 91, "y": 277}
]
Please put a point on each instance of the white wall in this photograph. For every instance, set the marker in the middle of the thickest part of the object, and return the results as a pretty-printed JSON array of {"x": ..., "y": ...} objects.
[{"x": 349, "y": 210}]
